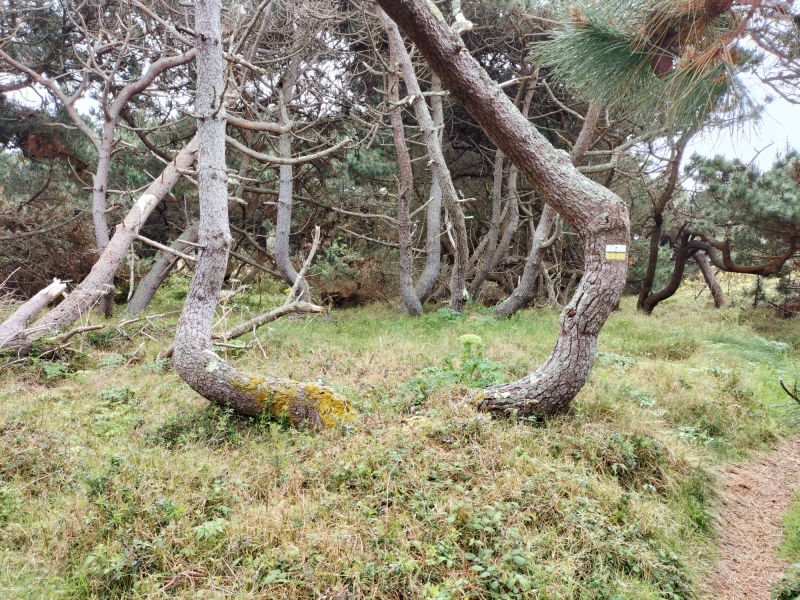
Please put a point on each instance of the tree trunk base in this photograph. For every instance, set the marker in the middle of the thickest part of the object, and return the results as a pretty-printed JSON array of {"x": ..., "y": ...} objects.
[{"x": 256, "y": 395}]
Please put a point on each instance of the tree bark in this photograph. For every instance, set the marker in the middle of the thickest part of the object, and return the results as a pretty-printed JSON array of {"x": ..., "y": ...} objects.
[
  {"x": 438, "y": 166},
  {"x": 407, "y": 292},
  {"x": 166, "y": 261},
  {"x": 595, "y": 213},
  {"x": 683, "y": 252},
  {"x": 26, "y": 313},
  {"x": 433, "y": 212},
  {"x": 283, "y": 222},
  {"x": 99, "y": 196},
  {"x": 493, "y": 235},
  {"x": 159, "y": 271},
  {"x": 96, "y": 283},
  {"x": 658, "y": 221},
  {"x": 193, "y": 358},
  {"x": 526, "y": 288},
  {"x": 708, "y": 275}
]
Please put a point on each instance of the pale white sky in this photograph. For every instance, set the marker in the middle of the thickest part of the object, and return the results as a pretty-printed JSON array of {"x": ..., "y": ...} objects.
[{"x": 777, "y": 131}]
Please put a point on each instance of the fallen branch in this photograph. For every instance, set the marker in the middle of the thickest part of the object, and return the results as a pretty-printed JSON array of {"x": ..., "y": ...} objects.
[
  {"x": 20, "y": 318},
  {"x": 63, "y": 337},
  {"x": 792, "y": 395},
  {"x": 298, "y": 306},
  {"x": 164, "y": 248}
]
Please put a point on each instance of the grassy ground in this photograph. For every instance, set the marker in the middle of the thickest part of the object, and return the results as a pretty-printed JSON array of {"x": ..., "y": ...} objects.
[
  {"x": 789, "y": 588},
  {"x": 116, "y": 480}
]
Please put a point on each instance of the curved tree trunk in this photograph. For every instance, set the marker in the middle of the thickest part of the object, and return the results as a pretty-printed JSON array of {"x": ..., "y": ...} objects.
[
  {"x": 283, "y": 222},
  {"x": 493, "y": 235},
  {"x": 682, "y": 253},
  {"x": 159, "y": 271},
  {"x": 595, "y": 213},
  {"x": 512, "y": 209},
  {"x": 99, "y": 195},
  {"x": 409, "y": 295},
  {"x": 438, "y": 166},
  {"x": 673, "y": 170},
  {"x": 708, "y": 275},
  {"x": 194, "y": 359},
  {"x": 96, "y": 283},
  {"x": 526, "y": 288},
  {"x": 433, "y": 212},
  {"x": 166, "y": 261}
]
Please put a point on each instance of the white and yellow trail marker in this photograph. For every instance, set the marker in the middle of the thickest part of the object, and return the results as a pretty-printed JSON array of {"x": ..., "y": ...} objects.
[{"x": 616, "y": 252}]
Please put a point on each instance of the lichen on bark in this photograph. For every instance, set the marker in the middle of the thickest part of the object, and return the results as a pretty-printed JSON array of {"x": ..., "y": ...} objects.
[{"x": 204, "y": 371}]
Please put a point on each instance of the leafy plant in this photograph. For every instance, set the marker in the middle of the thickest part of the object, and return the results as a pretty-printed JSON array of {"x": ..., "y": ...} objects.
[
  {"x": 338, "y": 256},
  {"x": 789, "y": 587},
  {"x": 54, "y": 370},
  {"x": 210, "y": 529},
  {"x": 471, "y": 368},
  {"x": 7, "y": 503}
]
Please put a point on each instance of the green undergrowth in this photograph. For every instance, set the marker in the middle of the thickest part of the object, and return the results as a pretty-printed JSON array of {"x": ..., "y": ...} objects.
[
  {"x": 789, "y": 587},
  {"x": 117, "y": 481}
]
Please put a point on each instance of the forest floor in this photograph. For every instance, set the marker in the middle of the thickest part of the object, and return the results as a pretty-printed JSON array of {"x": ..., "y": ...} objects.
[
  {"x": 117, "y": 481},
  {"x": 755, "y": 495}
]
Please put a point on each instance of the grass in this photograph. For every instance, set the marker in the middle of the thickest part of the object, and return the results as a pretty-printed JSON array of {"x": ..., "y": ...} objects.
[
  {"x": 117, "y": 481},
  {"x": 789, "y": 587}
]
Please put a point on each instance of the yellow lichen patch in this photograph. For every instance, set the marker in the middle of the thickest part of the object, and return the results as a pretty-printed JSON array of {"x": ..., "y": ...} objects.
[
  {"x": 253, "y": 386},
  {"x": 331, "y": 405},
  {"x": 282, "y": 395},
  {"x": 317, "y": 404}
]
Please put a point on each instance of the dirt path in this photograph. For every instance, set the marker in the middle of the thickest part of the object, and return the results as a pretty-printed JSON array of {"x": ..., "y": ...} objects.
[{"x": 754, "y": 497}]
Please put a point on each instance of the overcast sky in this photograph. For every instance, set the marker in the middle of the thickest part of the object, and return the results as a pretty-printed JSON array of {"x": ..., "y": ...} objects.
[{"x": 776, "y": 132}]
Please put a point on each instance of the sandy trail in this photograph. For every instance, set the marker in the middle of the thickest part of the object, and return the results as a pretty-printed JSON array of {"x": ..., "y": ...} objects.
[{"x": 754, "y": 497}]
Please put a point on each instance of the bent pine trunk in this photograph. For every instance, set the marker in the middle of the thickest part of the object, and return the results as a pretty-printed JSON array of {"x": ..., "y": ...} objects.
[
  {"x": 96, "y": 283},
  {"x": 438, "y": 166},
  {"x": 433, "y": 212},
  {"x": 193, "y": 357},
  {"x": 407, "y": 292},
  {"x": 708, "y": 275},
  {"x": 525, "y": 290},
  {"x": 160, "y": 270},
  {"x": 594, "y": 212}
]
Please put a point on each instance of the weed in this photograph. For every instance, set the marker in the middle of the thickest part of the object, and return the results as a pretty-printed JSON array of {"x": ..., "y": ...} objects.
[
  {"x": 445, "y": 315},
  {"x": 7, "y": 503},
  {"x": 471, "y": 369},
  {"x": 54, "y": 370},
  {"x": 210, "y": 529},
  {"x": 789, "y": 587},
  {"x": 116, "y": 395},
  {"x": 112, "y": 360},
  {"x": 608, "y": 359},
  {"x": 213, "y": 426},
  {"x": 173, "y": 496},
  {"x": 638, "y": 397}
]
